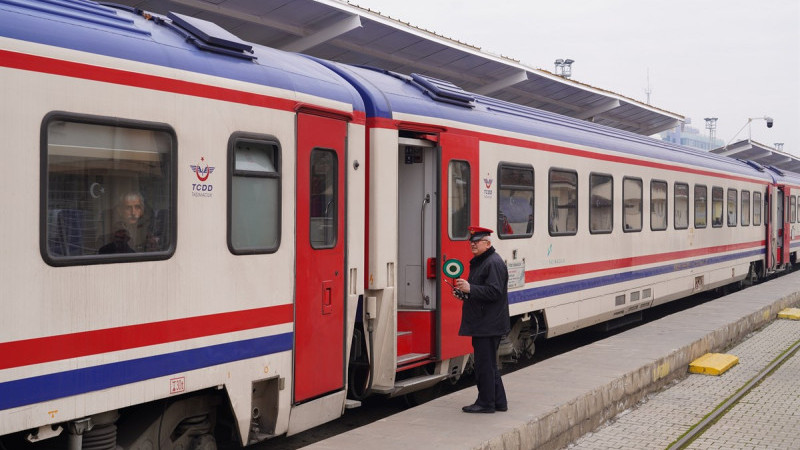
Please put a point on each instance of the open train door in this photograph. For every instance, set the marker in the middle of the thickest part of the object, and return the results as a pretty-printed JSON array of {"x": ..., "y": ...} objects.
[
  {"x": 320, "y": 264},
  {"x": 786, "y": 228},
  {"x": 775, "y": 228},
  {"x": 459, "y": 188}
]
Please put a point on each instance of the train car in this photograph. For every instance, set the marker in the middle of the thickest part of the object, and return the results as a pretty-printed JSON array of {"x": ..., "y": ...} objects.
[
  {"x": 595, "y": 224},
  {"x": 184, "y": 223}
]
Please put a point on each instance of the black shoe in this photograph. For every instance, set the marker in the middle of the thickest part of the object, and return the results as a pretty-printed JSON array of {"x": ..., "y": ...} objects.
[
  {"x": 474, "y": 408},
  {"x": 501, "y": 408}
]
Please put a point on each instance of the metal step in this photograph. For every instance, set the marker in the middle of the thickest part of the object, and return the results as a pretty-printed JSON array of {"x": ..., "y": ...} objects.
[
  {"x": 411, "y": 357},
  {"x": 415, "y": 384}
]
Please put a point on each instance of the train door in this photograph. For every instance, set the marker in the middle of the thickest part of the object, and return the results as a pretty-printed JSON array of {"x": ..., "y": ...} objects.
[
  {"x": 417, "y": 294},
  {"x": 435, "y": 206},
  {"x": 786, "y": 227},
  {"x": 319, "y": 267},
  {"x": 459, "y": 209},
  {"x": 775, "y": 228}
]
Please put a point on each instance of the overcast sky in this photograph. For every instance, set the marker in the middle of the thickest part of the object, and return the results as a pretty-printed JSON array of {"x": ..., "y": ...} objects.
[{"x": 730, "y": 59}]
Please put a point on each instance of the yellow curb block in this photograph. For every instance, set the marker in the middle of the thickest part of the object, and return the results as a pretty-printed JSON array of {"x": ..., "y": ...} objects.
[
  {"x": 713, "y": 363},
  {"x": 790, "y": 313}
]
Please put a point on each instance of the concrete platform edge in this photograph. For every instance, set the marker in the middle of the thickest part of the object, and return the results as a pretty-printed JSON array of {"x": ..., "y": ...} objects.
[{"x": 565, "y": 424}]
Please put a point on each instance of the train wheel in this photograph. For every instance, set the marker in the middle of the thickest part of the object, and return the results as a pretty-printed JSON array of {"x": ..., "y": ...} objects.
[{"x": 527, "y": 348}]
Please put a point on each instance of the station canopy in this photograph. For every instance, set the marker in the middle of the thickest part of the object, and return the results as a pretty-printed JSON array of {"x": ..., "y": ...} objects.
[
  {"x": 344, "y": 32},
  {"x": 762, "y": 154}
]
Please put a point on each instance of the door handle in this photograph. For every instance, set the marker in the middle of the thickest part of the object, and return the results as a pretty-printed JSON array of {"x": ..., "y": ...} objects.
[{"x": 327, "y": 297}]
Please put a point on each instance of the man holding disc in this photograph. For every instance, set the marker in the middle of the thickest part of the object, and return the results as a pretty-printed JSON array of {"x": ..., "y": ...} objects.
[{"x": 484, "y": 316}]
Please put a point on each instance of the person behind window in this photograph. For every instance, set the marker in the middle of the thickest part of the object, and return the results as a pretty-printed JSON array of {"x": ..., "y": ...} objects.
[
  {"x": 131, "y": 231},
  {"x": 515, "y": 210}
]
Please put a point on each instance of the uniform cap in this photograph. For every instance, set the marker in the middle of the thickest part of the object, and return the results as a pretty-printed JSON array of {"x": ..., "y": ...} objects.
[{"x": 478, "y": 233}]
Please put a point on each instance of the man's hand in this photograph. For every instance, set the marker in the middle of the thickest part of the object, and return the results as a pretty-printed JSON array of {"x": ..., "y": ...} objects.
[{"x": 462, "y": 285}]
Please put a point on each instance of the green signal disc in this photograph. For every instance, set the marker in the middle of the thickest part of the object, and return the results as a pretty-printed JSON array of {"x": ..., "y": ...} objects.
[{"x": 453, "y": 268}]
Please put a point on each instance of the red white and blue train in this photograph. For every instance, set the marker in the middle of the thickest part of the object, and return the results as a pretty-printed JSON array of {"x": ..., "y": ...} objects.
[{"x": 287, "y": 223}]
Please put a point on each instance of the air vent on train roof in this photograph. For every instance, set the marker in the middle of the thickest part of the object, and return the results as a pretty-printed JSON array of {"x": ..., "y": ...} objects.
[
  {"x": 753, "y": 164},
  {"x": 776, "y": 170},
  {"x": 443, "y": 91},
  {"x": 210, "y": 36}
]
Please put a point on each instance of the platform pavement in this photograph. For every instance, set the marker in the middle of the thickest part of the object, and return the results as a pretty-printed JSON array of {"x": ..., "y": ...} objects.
[
  {"x": 766, "y": 418},
  {"x": 555, "y": 402}
]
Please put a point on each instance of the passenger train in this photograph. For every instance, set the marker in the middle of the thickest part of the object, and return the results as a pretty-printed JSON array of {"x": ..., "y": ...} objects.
[{"x": 205, "y": 238}]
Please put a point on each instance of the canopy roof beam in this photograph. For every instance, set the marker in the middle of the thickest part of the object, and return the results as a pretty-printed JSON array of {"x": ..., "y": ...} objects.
[
  {"x": 489, "y": 89},
  {"x": 599, "y": 109},
  {"x": 326, "y": 34},
  {"x": 658, "y": 128}
]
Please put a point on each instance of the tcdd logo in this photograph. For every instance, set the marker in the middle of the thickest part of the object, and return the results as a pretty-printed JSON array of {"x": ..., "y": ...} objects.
[{"x": 202, "y": 171}]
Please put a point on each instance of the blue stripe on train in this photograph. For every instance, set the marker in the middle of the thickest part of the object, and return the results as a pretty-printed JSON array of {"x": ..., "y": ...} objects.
[
  {"x": 74, "y": 382},
  {"x": 604, "y": 280}
]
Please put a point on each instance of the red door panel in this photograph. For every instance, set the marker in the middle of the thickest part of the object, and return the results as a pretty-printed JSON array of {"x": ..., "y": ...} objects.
[
  {"x": 787, "y": 227},
  {"x": 319, "y": 266},
  {"x": 461, "y": 149}
]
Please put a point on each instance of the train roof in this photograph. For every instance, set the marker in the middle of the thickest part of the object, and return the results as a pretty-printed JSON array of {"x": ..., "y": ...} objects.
[
  {"x": 386, "y": 94},
  {"x": 173, "y": 41}
]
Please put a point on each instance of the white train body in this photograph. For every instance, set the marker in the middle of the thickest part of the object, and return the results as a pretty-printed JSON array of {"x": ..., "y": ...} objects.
[{"x": 299, "y": 214}]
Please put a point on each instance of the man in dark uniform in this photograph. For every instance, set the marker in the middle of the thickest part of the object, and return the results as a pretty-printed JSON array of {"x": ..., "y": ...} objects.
[{"x": 484, "y": 316}]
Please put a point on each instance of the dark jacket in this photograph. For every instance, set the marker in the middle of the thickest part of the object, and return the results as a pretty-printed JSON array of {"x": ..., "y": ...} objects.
[{"x": 485, "y": 312}]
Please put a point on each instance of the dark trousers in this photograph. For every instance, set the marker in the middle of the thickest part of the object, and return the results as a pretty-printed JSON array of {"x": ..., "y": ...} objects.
[{"x": 491, "y": 392}]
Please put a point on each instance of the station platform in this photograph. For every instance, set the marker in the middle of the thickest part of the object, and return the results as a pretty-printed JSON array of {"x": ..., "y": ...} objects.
[{"x": 632, "y": 390}]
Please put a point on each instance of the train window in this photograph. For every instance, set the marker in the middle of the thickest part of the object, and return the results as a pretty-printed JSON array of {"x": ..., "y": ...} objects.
[
  {"x": 732, "y": 208},
  {"x": 700, "y": 206},
  {"x": 563, "y": 194},
  {"x": 109, "y": 190},
  {"x": 658, "y": 205},
  {"x": 716, "y": 207},
  {"x": 745, "y": 208},
  {"x": 601, "y": 203},
  {"x": 323, "y": 218},
  {"x": 793, "y": 207},
  {"x": 515, "y": 201},
  {"x": 681, "y": 214},
  {"x": 756, "y": 208},
  {"x": 458, "y": 199},
  {"x": 254, "y": 207},
  {"x": 632, "y": 204}
]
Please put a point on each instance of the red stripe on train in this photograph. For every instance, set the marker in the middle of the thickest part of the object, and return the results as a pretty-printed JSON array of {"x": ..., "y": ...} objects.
[
  {"x": 73, "y": 345},
  {"x": 71, "y": 69},
  {"x": 611, "y": 264}
]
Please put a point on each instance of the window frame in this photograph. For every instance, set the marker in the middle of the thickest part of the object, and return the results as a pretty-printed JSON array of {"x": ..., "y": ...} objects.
[
  {"x": 705, "y": 206},
  {"x": 335, "y": 196},
  {"x": 675, "y": 205},
  {"x": 757, "y": 195},
  {"x": 721, "y": 206},
  {"x": 666, "y": 205},
  {"x": 172, "y": 189},
  {"x": 550, "y": 205},
  {"x": 592, "y": 208},
  {"x": 450, "y": 204},
  {"x": 518, "y": 187},
  {"x": 744, "y": 214},
  {"x": 232, "y": 172},
  {"x": 641, "y": 205},
  {"x": 735, "y": 221}
]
